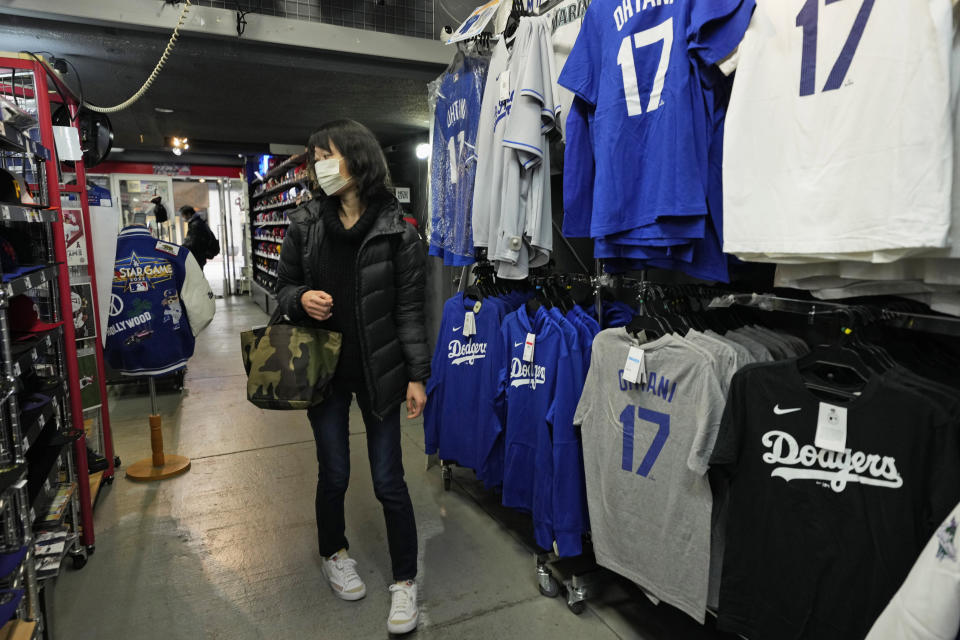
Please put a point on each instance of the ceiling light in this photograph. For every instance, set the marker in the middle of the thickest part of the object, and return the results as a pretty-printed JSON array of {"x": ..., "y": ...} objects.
[
  {"x": 162, "y": 110},
  {"x": 185, "y": 146},
  {"x": 177, "y": 151},
  {"x": 202, "y": 180},
  {"x": 423, "y": 150},
  {"x": 118, "y": 149}
]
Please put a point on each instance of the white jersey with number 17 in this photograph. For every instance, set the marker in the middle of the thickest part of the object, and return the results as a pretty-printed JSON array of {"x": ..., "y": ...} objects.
[{"x": 838, "y": 136}]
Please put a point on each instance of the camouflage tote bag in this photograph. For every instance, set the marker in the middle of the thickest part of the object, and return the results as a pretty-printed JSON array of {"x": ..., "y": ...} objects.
[{"x": 289, "y": 367}]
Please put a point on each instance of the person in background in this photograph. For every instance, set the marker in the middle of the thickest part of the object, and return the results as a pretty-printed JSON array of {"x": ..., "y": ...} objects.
[
  {"x": 200, "y": 239},
  {"x": 349, "y": 263}
]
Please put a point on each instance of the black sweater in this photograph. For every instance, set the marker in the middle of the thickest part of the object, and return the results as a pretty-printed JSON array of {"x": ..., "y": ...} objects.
[{"x": 338, "y": 277}]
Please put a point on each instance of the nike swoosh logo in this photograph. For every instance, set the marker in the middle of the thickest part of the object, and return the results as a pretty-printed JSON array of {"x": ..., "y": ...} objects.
[
  {"x": 517, "y": 344},
  {"x": 457, "y": 328},
  {"x": 777, "y": 410}
]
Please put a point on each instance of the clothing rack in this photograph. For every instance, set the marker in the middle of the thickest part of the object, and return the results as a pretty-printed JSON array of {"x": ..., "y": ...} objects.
[{"x": 927, "y": 323}]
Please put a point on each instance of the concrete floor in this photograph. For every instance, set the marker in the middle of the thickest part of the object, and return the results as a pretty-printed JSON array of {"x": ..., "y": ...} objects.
[{"x": 229, "y": 549}]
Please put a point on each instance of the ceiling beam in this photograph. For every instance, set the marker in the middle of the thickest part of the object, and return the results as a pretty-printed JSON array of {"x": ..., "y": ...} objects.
[{"x": 221, "y": 23}]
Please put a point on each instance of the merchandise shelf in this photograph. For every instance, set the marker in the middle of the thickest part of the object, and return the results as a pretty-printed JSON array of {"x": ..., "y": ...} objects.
[
  {"x": 44, "y": 419},
  {"x": 25, "y": 360},
  {"x": 266, "y": 255},
  {"x": 283, "y": 223},
  {"x": 283, "y": 186},
  {"x": 20, "y": 213},
  {"x": 10, "y": 476},
  {"x": 13, "y": 140},
  {"x": 24, "y": 283},
  {"x": 283, "y": 167},
  {"x": 274, "y": 207}
]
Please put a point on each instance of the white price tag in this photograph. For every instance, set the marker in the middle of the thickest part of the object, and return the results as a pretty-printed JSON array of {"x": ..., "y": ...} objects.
[
  {"x": 29, "y": 282},
  {"x": 831, "y": 428},
  {"x": 635, "y": 369},
  {"x": 5, "y": 210},
  {"x": 469, "y": 324},
  {"x": 528, "y": 347},
  {"x": 505, "y": 86}
]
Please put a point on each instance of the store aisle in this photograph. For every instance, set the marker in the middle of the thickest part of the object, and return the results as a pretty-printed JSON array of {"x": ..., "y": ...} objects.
[{"x": 229, "y": 549}]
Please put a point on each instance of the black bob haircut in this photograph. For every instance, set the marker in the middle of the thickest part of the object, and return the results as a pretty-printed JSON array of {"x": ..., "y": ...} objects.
[
  {"x": 187, "y": 211},
  {"x": 363, "y": 155}
]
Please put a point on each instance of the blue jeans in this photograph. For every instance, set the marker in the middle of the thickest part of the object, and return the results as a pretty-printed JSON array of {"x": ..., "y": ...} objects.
[{"x": 330, "y": 422}]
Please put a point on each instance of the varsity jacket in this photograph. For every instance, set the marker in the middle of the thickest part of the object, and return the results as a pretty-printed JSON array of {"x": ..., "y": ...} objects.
[{"x": 160, "y": 301}]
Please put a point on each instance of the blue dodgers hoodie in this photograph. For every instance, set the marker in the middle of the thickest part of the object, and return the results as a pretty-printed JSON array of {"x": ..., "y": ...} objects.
[
  {"x": 462, "y": 386},
  {"x": 541, "y": 397}
]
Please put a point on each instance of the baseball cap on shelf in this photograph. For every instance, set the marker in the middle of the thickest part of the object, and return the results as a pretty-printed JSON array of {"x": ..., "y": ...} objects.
[
  {"x": 25, "y": 317},
  {"x": 14, "y": 190}
]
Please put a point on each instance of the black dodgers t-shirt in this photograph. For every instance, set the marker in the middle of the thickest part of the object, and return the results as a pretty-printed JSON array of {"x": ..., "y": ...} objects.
[{"x": 817, "y": 542}]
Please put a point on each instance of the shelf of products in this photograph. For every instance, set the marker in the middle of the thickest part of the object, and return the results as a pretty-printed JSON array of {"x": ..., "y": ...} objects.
[
  {"x": 20, "y": 213},
  {"x": 23, "y": 283},
  {"x": 13, "y": 140},
  {"x": 290, "y": 163},
  {"x": 27, "y": 354},
  {"x": 44, "y": 479},
  {"x": 283, "y": 187},
  {"x": 279, "y": 205}
]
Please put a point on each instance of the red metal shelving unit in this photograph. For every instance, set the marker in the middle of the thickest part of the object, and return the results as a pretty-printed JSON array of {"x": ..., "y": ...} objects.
[{"x": 44, "y": 78}]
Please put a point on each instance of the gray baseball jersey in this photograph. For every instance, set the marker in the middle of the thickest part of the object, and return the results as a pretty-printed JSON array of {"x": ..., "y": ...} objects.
[
  {"x": 646, "y": 449},
  {"x": 524, "y": 233},
  {"x": 487, "y": 194}
]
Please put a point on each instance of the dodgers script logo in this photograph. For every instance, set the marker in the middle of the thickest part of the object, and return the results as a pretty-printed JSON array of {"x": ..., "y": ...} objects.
[
  {"x": 527, "y": 374},
  {"x": 468, "y": 353},
  {"x": 838, "y": 469}
]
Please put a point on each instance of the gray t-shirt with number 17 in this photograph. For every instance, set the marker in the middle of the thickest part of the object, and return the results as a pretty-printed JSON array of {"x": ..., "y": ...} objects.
[{"x": 646, "y": 449}]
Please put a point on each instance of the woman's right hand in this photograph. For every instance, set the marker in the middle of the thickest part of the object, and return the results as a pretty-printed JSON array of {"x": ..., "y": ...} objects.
[{"x": 317, "y": 304}]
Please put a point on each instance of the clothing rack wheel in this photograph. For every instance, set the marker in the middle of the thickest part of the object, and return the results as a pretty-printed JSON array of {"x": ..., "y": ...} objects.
[
  {"x": 446, "y": 474},
  {"x": 548, "y": 585}
]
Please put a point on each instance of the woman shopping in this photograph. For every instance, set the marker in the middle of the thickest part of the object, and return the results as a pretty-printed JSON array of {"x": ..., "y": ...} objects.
[{"x": 350, "y": 264}]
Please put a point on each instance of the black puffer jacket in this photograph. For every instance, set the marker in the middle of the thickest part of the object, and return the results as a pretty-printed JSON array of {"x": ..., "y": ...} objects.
[{"x": 389, "y": 300}]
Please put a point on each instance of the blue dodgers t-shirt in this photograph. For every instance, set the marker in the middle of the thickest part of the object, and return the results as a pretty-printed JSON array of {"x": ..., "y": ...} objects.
[
  {"x": 632, "y": 66},
  {"x": 454, "y": 165},
  {"x": 462, "y": 386}
]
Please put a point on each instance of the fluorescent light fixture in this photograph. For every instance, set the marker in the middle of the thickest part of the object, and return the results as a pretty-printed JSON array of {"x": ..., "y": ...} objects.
[
  {"x": 118, "y": 149},
  {"x": 162, "y": 110},
  {"x": 423, "y": 150}
]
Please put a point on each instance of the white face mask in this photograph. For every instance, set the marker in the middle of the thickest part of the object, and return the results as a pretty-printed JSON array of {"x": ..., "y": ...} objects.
[{"x": 328, "y": 176}]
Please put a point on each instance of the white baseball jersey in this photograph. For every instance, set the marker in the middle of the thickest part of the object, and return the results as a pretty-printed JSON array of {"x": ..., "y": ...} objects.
[
  {"x": 565, "y": 20},
  {"x": 838, "y": 134}
]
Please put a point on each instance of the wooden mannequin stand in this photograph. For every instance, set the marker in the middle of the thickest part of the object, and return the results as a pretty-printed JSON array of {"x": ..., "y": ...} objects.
[{"x": 161, "y": 466}]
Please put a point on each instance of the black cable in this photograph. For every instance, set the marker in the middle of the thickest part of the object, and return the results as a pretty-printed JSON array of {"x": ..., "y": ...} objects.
[
  {"x": 73, "y": 118},
  {"x": 79, "y": 81}
]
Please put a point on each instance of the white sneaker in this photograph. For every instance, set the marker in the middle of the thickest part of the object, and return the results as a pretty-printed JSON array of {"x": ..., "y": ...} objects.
[
  {"x": 341, "y": 572},
  {"x": 404, "y": 613}
]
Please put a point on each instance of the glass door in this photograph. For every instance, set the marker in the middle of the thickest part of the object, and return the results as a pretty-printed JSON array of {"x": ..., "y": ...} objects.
[{"x": 135, "y": 193}]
